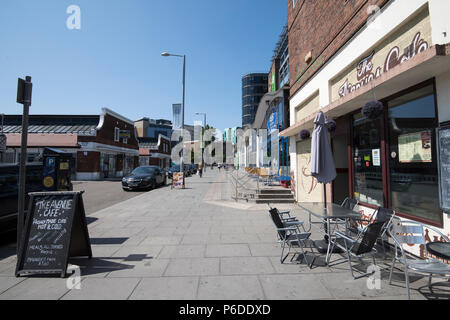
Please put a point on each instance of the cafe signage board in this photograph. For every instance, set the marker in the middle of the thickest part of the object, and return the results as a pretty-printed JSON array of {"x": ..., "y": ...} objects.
[
  {"x": 177, "y": 180},
  {"x": 410, "y": 40},
  {"x": 55, "y": 230}
]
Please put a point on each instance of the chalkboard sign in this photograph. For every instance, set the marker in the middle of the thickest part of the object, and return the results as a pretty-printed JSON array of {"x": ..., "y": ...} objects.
[
  {"x": 55, "y": 230},
  {"x": 444, "y": 168}
]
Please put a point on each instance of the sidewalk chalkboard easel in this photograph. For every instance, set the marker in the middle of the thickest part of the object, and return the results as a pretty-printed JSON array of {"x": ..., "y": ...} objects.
[{"x": 55, "y": 230}]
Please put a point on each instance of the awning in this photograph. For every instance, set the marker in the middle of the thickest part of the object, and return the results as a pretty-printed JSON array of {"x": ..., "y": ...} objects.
[{"x": 430, "y": 63}]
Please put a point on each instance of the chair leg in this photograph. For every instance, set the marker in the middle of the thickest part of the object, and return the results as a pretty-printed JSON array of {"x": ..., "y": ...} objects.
[
  {"x": 392, "y": 269},
  {"x": 407, "y": 282},
  {"x": 350, "y": 265},
  {"x": 384, "y": 247},
  {"x": 282, "y": 252},
  {"x": 430, "y": 277}
]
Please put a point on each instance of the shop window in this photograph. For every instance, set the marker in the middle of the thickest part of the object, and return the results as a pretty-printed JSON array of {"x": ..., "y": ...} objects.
[
  {"x": 116, "y": 134},
  {"x": 412, "y": 155},
  {"x": 368, "y": 178}
]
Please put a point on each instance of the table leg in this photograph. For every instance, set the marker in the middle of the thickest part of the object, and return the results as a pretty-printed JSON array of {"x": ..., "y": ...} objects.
[{"x": 327, "y": 239}]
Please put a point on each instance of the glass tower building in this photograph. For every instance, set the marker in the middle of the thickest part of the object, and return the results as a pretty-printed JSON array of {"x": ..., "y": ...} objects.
[{"x": 254, "y": 86}]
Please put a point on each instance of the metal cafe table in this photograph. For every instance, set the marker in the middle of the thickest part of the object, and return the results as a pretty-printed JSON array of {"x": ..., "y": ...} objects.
[
  {"x": 439, "y": 249},
  {"x": 327, "y": 213}
]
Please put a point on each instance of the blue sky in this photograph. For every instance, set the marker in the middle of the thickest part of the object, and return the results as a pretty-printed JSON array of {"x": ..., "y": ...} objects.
[{"x": 115, "y": 61}]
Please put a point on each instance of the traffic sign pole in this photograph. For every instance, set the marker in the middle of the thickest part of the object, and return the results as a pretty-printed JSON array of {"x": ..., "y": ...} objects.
[{"x": 24, "y": 92}]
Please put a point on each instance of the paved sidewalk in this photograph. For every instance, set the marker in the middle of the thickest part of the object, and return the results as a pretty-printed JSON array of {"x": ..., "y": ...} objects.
[{"x": 192, "y": 244}]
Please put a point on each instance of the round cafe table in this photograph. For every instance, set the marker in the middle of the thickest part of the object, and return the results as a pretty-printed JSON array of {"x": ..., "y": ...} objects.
[{"x": 439, "y": 249}]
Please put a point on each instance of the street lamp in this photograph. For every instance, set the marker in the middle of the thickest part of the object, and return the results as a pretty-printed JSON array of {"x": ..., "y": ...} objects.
[
  {"x": 166, "y": 54},
  {"x": 204, "y": 126}
]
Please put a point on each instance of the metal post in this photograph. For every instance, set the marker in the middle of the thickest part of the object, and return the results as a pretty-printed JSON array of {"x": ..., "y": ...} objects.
[
  {"x": 182, "y": 120},
  {"x": 23, "y": 159},
  {"x": 203, "y": 144},
  {"x": 1, "y": 153}
]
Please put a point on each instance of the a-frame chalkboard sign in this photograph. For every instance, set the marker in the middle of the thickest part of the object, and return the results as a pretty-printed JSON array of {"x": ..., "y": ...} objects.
[{"x": 55, "y": 230}]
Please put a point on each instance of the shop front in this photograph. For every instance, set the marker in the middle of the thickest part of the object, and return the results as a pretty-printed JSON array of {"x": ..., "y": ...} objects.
[
  {"x": 388, "y": 103},
  {"x": 273, "y": 115}
]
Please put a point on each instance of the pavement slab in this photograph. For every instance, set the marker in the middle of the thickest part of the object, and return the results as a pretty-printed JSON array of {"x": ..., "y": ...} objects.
[
  {"x": 230, "y": 288},
  {"x": 105, "y": 289},
  {"x": 166, "y": 288}
]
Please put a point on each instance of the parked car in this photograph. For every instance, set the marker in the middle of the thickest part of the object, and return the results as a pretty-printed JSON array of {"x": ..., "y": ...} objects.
[
  {"x": 176, "y": 168},
  {"x": 9, "y": 185},
  {"x": 192, "y": 168},
  {"x": 145, "y": 177}
]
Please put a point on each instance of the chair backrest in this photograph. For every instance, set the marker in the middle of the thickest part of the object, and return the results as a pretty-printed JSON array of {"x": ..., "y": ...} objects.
[
  {"x": 368, "y": 238},
  {"x": 349, "y": 203},
  {"x": 384, "y": 214},
  {"x": 407, "y": 232},
  {"x": 277, "y": 221}
]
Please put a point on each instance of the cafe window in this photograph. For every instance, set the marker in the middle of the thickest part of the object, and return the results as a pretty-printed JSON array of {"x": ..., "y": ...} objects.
[
  {"x": 367, "y": 177},
  {"x": 412, "y": 156}
]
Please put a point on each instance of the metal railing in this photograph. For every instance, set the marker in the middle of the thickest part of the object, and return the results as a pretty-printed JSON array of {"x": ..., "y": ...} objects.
[{"x": 245, "y": 185}]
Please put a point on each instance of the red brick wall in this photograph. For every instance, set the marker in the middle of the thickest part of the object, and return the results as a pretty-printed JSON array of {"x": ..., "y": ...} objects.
[
  {"x": 322, "y": 27},
  {"x": 88, "y": 163},
  {"x": 106, "y": 133}
]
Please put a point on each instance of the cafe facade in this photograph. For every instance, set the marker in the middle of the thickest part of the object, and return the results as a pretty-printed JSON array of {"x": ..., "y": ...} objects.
[{"x": 388, "y": 91}]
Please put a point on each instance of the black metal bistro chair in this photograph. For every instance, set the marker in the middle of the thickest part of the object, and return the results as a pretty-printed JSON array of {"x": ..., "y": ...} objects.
[
  {"x": 349, "y": 204},
  {"x": 361, "y": 245},
  {"x": 379, "y": 215},
  {"x": 290, "y": 237}
]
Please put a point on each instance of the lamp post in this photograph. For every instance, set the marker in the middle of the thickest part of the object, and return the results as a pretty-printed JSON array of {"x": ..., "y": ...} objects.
[
  {"x": 166, "y": 54},
  {"x": 203, "y": 142}
]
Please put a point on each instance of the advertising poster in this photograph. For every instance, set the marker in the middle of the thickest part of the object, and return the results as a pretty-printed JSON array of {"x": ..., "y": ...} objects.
[
  {"x": 178, "y": 178},
  {"x": 415, "y": 147},
  {"x": 376, "y": 159}
]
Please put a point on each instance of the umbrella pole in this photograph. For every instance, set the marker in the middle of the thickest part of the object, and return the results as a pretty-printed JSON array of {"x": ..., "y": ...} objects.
[{"x": 325, "y": 203}]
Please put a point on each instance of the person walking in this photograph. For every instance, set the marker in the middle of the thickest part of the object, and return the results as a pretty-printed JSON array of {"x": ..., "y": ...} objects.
[{"x": 200, "y": 170}]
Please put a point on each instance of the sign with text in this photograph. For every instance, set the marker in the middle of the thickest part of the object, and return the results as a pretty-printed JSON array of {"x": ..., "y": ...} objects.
[
  {"x": 55, "y": 230},
  {"x": 410, "y": 40},
  {"x": 125, "y": 134},
  {"x": 178, "y": 179},
  {"x": 415, "y": 147}
]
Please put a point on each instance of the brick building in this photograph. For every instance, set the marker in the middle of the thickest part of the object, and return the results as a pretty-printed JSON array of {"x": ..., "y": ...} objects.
[
  {"x": 344, "y": 54},
  {"x": 104, "y": 146},
  {"x": 155, "y": 152}
]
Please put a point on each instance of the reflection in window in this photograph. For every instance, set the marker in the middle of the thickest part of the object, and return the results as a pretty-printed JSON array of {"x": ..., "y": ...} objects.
[
  {"x": 412, "y": 155},
  {"x": 368, "y": 181}
]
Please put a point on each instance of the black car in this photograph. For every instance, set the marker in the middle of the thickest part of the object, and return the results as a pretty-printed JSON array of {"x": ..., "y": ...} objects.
[
  {"x": 9, "y": 185},
  {"x": 145, "y": 177},
  {"x": 192, "y": 168}
]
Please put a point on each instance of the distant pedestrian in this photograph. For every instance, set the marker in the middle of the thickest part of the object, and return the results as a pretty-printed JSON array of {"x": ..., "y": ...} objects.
[{"x": 200, "y": 170}]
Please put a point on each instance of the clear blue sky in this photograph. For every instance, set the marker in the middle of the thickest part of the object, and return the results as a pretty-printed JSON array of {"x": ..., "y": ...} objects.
[{"x": 115, "y": 61}]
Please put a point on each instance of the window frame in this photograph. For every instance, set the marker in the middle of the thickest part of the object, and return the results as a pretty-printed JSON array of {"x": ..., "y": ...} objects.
[
  {"x": 385, "y": 147},
  {"x": 116, "y": 134}
]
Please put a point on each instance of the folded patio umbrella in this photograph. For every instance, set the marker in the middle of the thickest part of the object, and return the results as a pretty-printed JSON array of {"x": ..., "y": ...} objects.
[{"x": 322, "y": 161}]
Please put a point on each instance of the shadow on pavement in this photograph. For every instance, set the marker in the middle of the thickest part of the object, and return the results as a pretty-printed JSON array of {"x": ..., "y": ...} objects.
[
  {"x": 99, "y": 265},
  {"x": 115, "y": 241}
]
